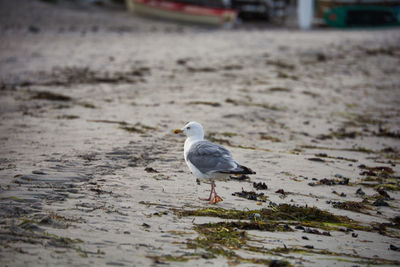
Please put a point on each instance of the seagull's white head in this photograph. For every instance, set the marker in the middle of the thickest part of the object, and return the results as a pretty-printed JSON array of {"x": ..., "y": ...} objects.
[{"x": 192, "y": 130}]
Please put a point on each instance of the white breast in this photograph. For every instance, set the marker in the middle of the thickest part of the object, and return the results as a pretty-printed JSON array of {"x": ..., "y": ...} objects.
[{"x": 188, "y": 144}]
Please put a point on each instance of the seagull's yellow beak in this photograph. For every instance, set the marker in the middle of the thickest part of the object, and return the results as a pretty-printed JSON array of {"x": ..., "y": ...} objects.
[{"x": 176, "y": 131}]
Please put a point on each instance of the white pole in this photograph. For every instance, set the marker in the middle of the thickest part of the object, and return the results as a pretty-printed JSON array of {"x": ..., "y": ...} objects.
[{"x": 305, "y": 13}]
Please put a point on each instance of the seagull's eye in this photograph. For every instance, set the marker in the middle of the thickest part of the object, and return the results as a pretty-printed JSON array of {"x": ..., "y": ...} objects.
[{"x": 188, "y": 128}]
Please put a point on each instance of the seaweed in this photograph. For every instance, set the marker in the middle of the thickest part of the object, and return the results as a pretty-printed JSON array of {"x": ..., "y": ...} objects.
[
  {"x": 201, "y": 69},
  {"x": 225, "y": 237},
  {"x": 279, "y": 89},
  {"x": 337, "y": 181},
  {"x": 324, "y": 155},
  {"x": 350, "y": 205},
  {"x": 384, "y": 132},
  {"x": 355, "y": 149},
  {"x": 361, "y": 259},
  {"x": 251, "y": 104},
  {"x": 270, "y": 138},
  {"x": 87, "y": 105},
  {"x": 278, "y": 212},
  {"x": 46, "y": 95},
  {"x": 260, "y": 186},
  {"x": 281, "y": 64},
  {"x": 339, "y": 134},
  {"x": 136, "y": 128},
  {"x": 207, "y": 103},
  {"x": 251, "y": 195},
  {"x": 67, "y": 117}
]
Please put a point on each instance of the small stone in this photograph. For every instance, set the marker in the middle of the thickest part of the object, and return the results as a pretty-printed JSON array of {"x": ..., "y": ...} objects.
[
  {"x": 309, "y": 246},
  {"x": 338, "y": 175},
  {"x": 305, "y": 238},
  {"x": 354, "y": 235}
]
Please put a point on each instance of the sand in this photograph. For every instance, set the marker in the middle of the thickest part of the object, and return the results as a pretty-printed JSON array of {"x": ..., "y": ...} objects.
[{"x": 91, "y": 172}]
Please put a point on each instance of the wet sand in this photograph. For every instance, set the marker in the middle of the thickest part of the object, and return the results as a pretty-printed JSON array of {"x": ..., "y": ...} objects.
[{"x": 91, "y": 172}]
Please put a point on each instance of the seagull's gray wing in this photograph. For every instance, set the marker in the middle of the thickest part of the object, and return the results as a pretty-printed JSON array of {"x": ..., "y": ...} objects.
[{"x": 210, "y": 158}]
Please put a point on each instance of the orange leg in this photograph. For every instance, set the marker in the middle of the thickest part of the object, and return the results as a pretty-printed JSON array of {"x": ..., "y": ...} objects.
[{"x": 216, "y": 198}]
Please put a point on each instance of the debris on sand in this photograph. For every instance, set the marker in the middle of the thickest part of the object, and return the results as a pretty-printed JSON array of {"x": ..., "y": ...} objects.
[
  {"x": 384, "y": 132},
  {"x": 46, "y": 95},
  {"x": 380, "y": 202},
  {"x": 251, "y": 195},
  {"x": 260, "y": 186},
  {"x": 350, "y": 205},
  {"x": 316, "y": 159},
  {"x": 360, "y": 192},
  {"x": 281, "y": 191},
  {"x": 151, "y": 170},
  {"x": 393, "y": 247},
  {"x": 316, "y": 232},
  {"x": 326, "y": 181},
  {"x": 324, "y": 155},
  {"x": 207, "y": 103}
]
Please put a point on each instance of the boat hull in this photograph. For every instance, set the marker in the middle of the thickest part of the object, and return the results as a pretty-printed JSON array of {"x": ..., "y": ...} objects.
[{"x": 182, "y": 12}]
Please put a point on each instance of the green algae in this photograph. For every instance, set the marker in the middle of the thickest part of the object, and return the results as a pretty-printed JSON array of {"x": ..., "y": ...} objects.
[
  {"x": 389, "y": 186},
  {"x": 279, "y": 212},
  {"x": 221, "y": 239},
  {"x": 252, "y": 225},
  {"x": 278, "y": 216},
  {"x": 351, "y": 205},
  {"x": 224, "y": 238}
]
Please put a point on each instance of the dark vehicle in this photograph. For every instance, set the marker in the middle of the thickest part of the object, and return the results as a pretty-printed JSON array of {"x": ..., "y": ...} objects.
[{"x": 251, "y": 9}]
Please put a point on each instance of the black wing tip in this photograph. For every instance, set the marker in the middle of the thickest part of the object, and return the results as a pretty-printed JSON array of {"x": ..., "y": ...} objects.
[
  {"x": 241, "y": 170},
  {"x": 247, "y": 170}
]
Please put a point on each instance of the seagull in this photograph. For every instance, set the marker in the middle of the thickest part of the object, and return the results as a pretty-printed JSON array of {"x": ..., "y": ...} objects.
[{"x": 207, "y": 160}]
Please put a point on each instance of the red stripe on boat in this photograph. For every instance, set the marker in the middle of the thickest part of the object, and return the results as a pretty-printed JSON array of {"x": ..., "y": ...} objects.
[{"x": 185, "y": 8}]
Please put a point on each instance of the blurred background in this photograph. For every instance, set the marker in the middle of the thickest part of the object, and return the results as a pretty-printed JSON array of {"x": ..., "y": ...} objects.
[{"x": 303, "y": 14}]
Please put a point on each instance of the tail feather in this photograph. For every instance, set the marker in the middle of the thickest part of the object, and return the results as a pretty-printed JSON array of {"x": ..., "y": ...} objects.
[{"x": 240, "y": 170}]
